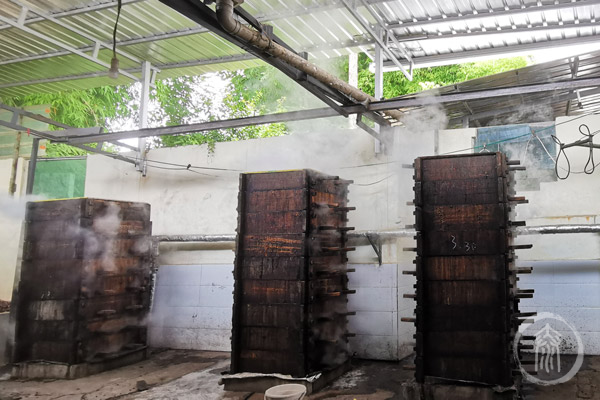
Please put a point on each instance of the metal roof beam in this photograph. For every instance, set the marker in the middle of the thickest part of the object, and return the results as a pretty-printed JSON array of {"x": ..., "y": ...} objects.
[
  {"x": 211, "y": 125},
  {"x": 137, "y": 70},
  {"x": 352, "y": 6},
  {"x": 75, "y": 11},
  {"x": 471, "y": 55},
  {"x": 482, "y": 94},
  {"x": 505, "y": 30},
  {"x": 97, "y": 43},
  {"x": 293, "y": 12},
  {"x": 328, "y": 112},
  {"x": 60, "y": 44},
  {"x": 491, "y": 13}
]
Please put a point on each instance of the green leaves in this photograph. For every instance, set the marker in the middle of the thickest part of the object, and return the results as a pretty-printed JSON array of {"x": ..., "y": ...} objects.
[{"x": 395, "y": 84}]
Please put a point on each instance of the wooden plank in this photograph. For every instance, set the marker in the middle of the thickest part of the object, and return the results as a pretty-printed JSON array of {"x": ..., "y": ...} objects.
[
  {"x": 472, "y": 317},
  {"x": 483, "y": 370},
  {"x": 470, "y": 191},
  {"x": 51, "y": 280},
  {"x": 459, "y": 168},
  {"x": 485, "y": 344},
  {"x": 273, "y": 315},
  {"x": 273, "y": 339},
  {"x": 457, "y": 217},
  {"x": 449, "y": 268},
  {"x": 273, "y": 245},
  {"x": 53, "y": 210},
  {"x": 278, "y": 268},
  {"x": 276, "y": 180},
  {"x": 273, "y": 292},
  {"x": 457, "y": 243},
  {"x": 466, "y": 293},
  {"x": 276, "y": 200},
  {"x": 272, "y": 362},
  {"x": 278, "y": 222}
]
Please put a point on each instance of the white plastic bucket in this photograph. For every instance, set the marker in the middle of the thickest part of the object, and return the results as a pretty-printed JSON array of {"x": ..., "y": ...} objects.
[{"x": 291, "y": 391}]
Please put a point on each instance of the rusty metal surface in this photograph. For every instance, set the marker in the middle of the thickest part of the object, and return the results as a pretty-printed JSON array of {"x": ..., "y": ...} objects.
[
  {"x": 85, "y": 284},
  {"x": 289, "y": 312},
  {"x": 466, "y": 284}
]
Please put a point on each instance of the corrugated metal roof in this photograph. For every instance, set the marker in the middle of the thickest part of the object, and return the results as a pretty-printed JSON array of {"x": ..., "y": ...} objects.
[
  {"x": 524, "y": 108},
  {"x": 36, "y": 56}
]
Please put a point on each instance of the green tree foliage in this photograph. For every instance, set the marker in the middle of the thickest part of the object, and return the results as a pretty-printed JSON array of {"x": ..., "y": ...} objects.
[
  {"x": 395, "y": 84},
  {"x": 79, "y": 108},
  {"x": 252, "y": 92}
]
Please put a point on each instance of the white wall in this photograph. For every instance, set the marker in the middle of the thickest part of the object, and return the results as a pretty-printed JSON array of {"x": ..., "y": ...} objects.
[
  {"x": 184, "y": 203},
  {"x": 12, "y": 210}
]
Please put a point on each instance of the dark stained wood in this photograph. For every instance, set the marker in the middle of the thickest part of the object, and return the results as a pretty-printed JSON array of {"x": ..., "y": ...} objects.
[
  {"x": 273, "y": 292},
  {"x": 275, "y": 222},
  {"x": 469, "y": 191},
  {"x": 278, "y": 268},
  {"x": 276, "y": 200},
  {"x": 458, "y": 168},
  {"x": 449, "y": 268},
  {"x": 475, "y": 216},
  {"x": 272, "y": 362},
  {"x": 274, "y": 245},
  {"x": 477, "y": 344},
  {"x": 483, "y": 370},
  {"x": 276, "y": 180},
  {"x": 465, "y": 293},
  {"x": 85, "y": 280},
  {"x": 461, "y": 318},
  {"x": 460, "y": 243},
  {"x": 277, "y": 315},
  {"x": 272, "y": 339},
  {"x": 290, "y": 293}
]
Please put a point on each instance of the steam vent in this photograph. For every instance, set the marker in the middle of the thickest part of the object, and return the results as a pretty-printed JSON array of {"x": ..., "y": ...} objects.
[
  {"x": 467, "y": 299},
  {"x": 85, "y": 287},
  {"x": 289, "y": 313}
]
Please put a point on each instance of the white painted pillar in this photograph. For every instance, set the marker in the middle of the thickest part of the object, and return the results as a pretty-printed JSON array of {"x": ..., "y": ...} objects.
[
  {"x": 353, "y": 80},
  {"x": 143, "y": 123}
]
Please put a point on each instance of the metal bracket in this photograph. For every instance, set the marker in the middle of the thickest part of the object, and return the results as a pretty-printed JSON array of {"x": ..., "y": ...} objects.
[{"x": 377, "y": 245}]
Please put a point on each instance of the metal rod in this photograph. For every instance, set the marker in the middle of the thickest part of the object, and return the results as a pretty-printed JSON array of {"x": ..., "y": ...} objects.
[
  {"x": 32, "y": 163},
  {"x": 554, "y": 229},
  {"x": 390, "y": 235}
]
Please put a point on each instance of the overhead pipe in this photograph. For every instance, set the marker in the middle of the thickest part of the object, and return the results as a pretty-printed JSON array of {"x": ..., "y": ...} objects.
[{"x": 225, "y": 16}]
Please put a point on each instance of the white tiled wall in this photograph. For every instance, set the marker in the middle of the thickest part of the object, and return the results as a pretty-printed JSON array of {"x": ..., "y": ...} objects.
[
  {"x": 570, "y": 289},
  {"x": 192, "y": 307},
  {"x": 376, "y": 304},
  {"x": 193, "y": 304}
]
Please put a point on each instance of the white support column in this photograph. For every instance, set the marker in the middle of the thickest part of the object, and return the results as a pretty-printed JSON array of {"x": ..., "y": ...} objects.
[
  {"x": 378, "y": 82},
  {"x": 143, "y": 123},
  {"x": 378, "y": 70},
  {"x": 352, "y": 79}
]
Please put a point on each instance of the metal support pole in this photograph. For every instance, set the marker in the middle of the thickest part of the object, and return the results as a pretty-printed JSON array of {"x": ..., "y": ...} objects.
[
  {"x": 32, "y": 163},
  {"x": 352, "y": 79},
  {"x": 144, "y": 102},
  {"x": 378, "y": 82},
  {"x": 12, "y": 185}
]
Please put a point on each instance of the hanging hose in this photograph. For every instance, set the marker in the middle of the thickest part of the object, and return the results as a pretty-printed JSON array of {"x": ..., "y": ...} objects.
[{"x": 263, "y": 42}]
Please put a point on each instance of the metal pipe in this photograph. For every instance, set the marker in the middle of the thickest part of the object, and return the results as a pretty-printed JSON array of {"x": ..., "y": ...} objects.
[
  {"x": 390, "y": 235},
  {"x": 195, "y": 238},
  {"x": 262, "y": 41},
  {"x": 553, "y": 229}
]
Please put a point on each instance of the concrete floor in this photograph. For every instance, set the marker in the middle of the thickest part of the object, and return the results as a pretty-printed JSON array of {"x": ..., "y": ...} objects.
[{"x": 183, "y": 374}]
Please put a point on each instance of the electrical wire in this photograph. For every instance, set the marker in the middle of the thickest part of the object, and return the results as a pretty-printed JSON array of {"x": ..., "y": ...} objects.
[
  {"x": 373, "y": 183},
  {"x": 590, "y": 165},
  {"x": 115, "y": 29}
]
